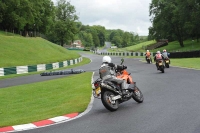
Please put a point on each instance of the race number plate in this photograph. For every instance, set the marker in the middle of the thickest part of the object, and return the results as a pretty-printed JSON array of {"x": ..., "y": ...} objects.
[
  {"x": 167, "y": 61},
  {"x": 160, "y": 64},
  {"x": 98, "y": 91}
]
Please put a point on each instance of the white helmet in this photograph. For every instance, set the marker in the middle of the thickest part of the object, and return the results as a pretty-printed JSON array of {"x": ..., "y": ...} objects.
[
  {"x": 158, "y": 52},
  {"x": 106, "y": 59},
  {"x": 164, "y": 50},
  {"x": 147, "y": 50}
]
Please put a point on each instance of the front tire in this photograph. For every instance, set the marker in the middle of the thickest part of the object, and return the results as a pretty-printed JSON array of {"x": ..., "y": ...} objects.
[
  {"x": 106, "y": 98},
  {"x": 137, "y": 95}
]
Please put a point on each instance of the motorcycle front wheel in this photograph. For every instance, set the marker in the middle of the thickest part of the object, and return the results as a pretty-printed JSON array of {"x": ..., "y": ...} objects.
[
  {"x": 137, "y": 95},
  {"x": 106, "y": 98}
]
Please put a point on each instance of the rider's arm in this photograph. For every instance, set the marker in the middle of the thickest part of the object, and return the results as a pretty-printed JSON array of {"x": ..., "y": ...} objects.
[
  {"x": 111, "y": 64},
  {"x": 121, "y": 67},
  {"x": 117, "y": 66},
  {"x": 162, "y": 56}
]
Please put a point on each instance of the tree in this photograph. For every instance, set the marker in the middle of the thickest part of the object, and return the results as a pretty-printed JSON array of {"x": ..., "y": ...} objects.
[
  {"x": 65, "y": 26},
  {"x": 101, "y": 34},
  {"x": 2, "y": 10},
  {"x": 26, "y": 15},
  {"x": 126, "y": 39},
  {"x": 117, "y": 40},
  {"x": 167, "y": 19},
  {"x": 95, "y": 37}
]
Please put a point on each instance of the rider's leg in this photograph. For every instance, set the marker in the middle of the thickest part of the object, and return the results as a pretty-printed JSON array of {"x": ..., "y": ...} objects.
[{"x": 157, "y": 64}]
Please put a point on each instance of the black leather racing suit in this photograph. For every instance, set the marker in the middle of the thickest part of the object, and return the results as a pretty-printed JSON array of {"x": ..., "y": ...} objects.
[{"x": 107, "y": 72}]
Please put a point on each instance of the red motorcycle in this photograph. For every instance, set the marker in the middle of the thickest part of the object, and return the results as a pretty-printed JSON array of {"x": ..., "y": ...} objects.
[{"x": 110, "y": 92}]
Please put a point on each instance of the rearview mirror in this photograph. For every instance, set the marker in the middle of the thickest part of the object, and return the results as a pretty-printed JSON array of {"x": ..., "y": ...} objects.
[{"x": 122, "y": 60}]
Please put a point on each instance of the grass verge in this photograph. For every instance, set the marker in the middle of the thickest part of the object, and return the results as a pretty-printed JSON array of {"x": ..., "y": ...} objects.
[
  {"x": 85, "y": 61},
  {"x": 37, "y": 101},
  {"x": 186, "y": 62}
]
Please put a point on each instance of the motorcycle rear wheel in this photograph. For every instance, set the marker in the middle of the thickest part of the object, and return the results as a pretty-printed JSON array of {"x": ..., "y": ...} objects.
[
  {"x": 161, "y": 68},
  {"x": 167, "y": 65},
  {"x": 107, "y": 102},
  {"x": 137, "y": 95}
]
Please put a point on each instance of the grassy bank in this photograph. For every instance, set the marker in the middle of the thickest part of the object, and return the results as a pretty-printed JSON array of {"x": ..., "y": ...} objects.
[
  {"x": 37, "y": 101},
  {"x": 19, "y": 51},
  {"x": 135, "y": 48},
  {"x": 189, "y": 45}
]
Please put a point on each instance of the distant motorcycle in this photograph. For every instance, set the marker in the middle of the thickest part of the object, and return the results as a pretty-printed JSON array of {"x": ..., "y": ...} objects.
[
  {"x": 110, "y": 92},
  {"x": 148, "y": 59},
  {"x": 161, "y": 66},
  {"x": 167, "y": 62}
]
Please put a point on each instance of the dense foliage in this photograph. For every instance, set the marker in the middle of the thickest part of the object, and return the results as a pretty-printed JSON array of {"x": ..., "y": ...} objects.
[
  {"x": 58, "y": 23},
  {"x": 175, "y": 20},
  {"x": 26, "y": 16}
]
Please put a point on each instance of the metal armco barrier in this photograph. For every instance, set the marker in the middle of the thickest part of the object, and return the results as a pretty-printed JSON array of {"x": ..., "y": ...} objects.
[{"x": 62, "y": 72}]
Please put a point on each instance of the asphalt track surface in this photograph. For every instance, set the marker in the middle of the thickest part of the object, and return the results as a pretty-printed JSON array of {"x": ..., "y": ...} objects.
[{"x": 171, "y": 102}]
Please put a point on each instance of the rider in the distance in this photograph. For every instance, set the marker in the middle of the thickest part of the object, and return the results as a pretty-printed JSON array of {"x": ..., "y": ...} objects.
[
  {"x": 148, "y": 54},
  {"x": 158, "y": 57}
]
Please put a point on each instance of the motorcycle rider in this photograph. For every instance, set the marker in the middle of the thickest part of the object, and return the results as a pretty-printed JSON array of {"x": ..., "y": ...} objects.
[
  {"x": 158, "y": 57},
  {"x": 107, "y": 72},
  {"x": 165, "y": 54},
  {"x": 147, "y": 54}
]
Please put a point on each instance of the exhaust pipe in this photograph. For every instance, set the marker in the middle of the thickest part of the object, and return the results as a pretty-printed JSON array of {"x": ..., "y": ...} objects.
[
  {"x": 112, "y": 89},
  {"x": 108, "y": 87}
]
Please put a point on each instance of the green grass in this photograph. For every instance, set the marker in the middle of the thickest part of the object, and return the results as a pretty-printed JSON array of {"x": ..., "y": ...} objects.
[
  {"x": 37, "y": 101},
  {"x": 174, "y": 46},
  {"x": 8, "y": 33},
  {"x": 135, "y": 48},
  {"x": 189, "y": 45},
  {"x": 20, "y": 51},
  {"x": 186, "y": 62},
  {"x": 139, "y": 47}
]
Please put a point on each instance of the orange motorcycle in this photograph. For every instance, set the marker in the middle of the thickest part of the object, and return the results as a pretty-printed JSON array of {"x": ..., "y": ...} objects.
[{"x": 148, "y": 59}]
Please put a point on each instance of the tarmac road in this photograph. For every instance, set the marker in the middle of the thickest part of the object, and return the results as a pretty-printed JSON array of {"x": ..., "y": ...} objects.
[{"x": 171, "y": 102}]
